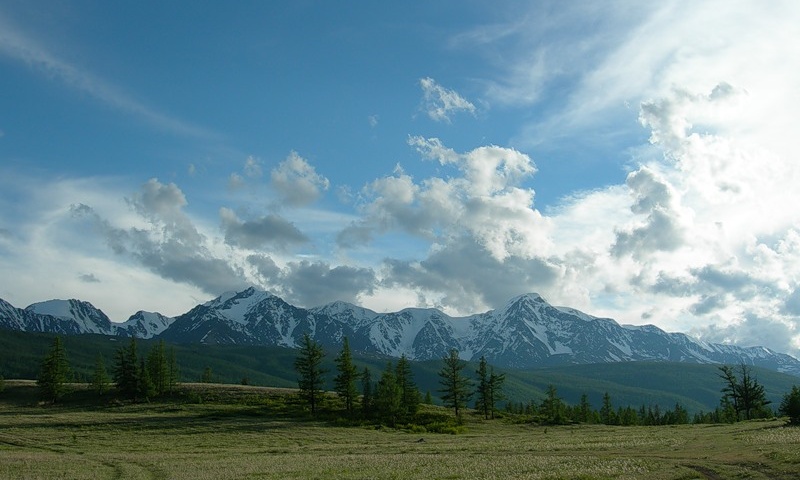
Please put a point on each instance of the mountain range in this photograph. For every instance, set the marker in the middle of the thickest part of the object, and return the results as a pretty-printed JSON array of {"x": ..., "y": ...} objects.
[{"x": 526, "y": 333}]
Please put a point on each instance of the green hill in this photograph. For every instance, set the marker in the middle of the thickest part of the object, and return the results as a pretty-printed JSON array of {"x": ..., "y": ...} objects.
[{"x": 696, "y": 387}]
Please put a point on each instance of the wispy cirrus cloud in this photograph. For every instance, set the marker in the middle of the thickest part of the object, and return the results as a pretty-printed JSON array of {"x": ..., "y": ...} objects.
[{"x": 15, "y": 43}]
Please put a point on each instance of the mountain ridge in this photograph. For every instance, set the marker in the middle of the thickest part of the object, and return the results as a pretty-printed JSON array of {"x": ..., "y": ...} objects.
[{"x": 527, "y": 332}]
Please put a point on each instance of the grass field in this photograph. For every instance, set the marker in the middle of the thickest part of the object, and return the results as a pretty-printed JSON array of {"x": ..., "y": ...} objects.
[{"x": 256, "y": 439}]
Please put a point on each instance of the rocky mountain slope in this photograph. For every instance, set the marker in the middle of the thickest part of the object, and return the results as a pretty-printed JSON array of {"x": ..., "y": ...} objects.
[
  {"x": 527, "y": 332},
  {"x": 75, "y": 317}
]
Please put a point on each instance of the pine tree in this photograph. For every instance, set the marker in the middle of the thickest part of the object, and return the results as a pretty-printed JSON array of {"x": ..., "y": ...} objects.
[
  {"x": 2, "y": 384},
  {"x": 309, "y": 366},
  {"x": 752, "y": 399},
  {"x": 482, "y": 389},
  {"x": 146, "y": 388},
  {"x": 367, "y": 398},
  {"x": 207, "y": 376},
  {"x": 496, "y": 382},
  {"x": 158, "y": 368},
  {"x": 127, "y": 375},
  {"x": 388, "y": 395},
  {"x": 790, "y": 405},
  {"x": 100, "y": 378},
  {"x": 172, "y": 370},
  {"x": 456, "y": 388},
  {"x": 744, "y": 392},
  {"x": 552, "y": 406},
  {"x": 55, "y": 373},
  {"x": 409, "y": 393},
  {"x": 345, "y": 382},
  {"x": 607, "y": 415},
  {"x": 584, "y": 409}
]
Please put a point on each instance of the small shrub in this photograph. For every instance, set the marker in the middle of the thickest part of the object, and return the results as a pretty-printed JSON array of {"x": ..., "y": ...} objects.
[
  {"x": 445, "y": 428},
  {"x": 418, "y": 429}
]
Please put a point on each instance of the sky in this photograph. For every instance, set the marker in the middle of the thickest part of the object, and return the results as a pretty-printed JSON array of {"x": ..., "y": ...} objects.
[{"x": 633, "y": 160}]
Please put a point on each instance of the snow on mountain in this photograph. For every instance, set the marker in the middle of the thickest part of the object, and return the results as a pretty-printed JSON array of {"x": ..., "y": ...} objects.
[
  {"x": 251, "y": 316},
  {"x": 76, "y": 315},
  {"x": 527, "y": 332},
  {"x": 143, "y": 325}
]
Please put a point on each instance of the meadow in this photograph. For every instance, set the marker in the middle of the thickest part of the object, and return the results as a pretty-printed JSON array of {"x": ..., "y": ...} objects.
[{"x": 257, "y": 437}]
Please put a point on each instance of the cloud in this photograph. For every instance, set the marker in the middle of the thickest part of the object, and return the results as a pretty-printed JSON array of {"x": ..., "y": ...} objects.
[
  {"x": 252, "y": 167},
  {"x": 466, "y": 277},
  {"x": 16, "y": 44},
  {"x": 267, "y": 231},
  {"x": 662, "y": 230},
  {"x": 88, "y": 278},
  {"x": 315, "y": 283},
  {"x": 169, "y": 244},
  {"x": 754, "y": 330},
  {"x": 157, "y": 201},
  {"x": 441, "y": 103},
  {"x": 486, "y": 201},
  {"x": 297, "y": 182}
]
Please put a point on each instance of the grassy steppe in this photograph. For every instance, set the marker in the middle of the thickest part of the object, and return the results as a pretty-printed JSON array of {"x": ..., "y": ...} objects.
[{"x": 259, "y": 438}]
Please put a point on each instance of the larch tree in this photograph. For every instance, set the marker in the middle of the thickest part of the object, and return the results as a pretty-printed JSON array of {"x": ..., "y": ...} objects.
[
  {"x": 158, "y": 368},
  {"x": 388, "y": 397},
  {"x": 743, "y": 392},
  {"x": 456, "y": 388},
  {"x": 345, "y": 381},
  {"x": 409, "y": 393},
  {"x": 312, "y": 376},
  {"x": 367, "y": 392},
  {"x": 496, "y": 381},
  {"x": 55, "y": 373},
  {"x": 100, "y": 379},
  {"x": 790, "y": 405},
  {"x": 482, "y": 389},
  {"x": 127, "y": 374}
]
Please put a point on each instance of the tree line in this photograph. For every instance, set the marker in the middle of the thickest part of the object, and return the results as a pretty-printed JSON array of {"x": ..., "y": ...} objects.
[
  {"x": 135, "y": 377},
  {"x": 395, "y": 398}
]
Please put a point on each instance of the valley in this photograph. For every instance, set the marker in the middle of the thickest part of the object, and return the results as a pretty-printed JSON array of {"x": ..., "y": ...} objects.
[{"x": 254, "y": 440}]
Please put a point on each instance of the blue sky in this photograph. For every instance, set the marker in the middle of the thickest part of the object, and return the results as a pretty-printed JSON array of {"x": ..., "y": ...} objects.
[{"x": 631, "y": 159}]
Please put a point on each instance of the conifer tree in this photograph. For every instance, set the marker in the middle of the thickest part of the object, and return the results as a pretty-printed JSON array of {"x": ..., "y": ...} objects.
[
  {"x": 744, "y": 392},
  {"x": 146, "y": 388},
  {"x": 388, "y": 396},
  {"x": 496, "y": 381},
  {"x": 309, "y": 366},
  {"x": 367, "y": 395},
  {"x": 345, "y": 382},
  {"x": 584, "y": 413},
  {"x": 207, "y": 376},
  {"x": 790, "y": 405},
  {"x": 607, "y": 414},
  {"x": 172, "y": 370},
  {"x": 552, "y": 406},
  {"x": 2, "y": 384},
  {"x": 158, "y": 368},
  {"x": 456, "y": 388},
  {"x": 409, "y": 393},
  {"x": 127, "y": 375},
  {"x": 482, "y": 389},
  {"x": 100, "y": 378},
  {"x": 55, "y": 373}
]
